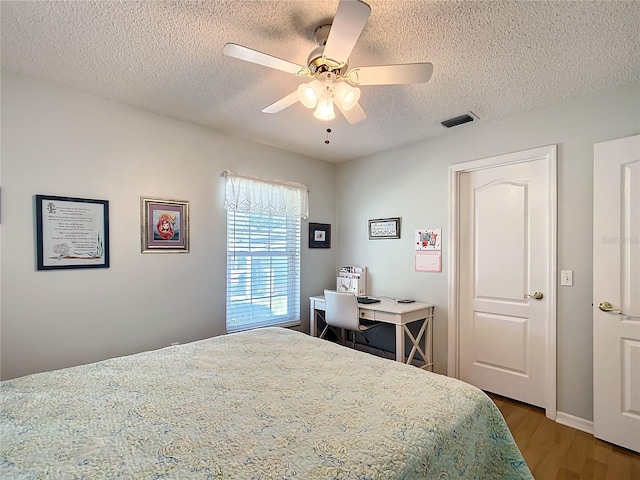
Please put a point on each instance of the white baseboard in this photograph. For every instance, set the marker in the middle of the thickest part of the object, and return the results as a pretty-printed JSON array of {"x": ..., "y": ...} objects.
[{"x": 575, "y": 422}]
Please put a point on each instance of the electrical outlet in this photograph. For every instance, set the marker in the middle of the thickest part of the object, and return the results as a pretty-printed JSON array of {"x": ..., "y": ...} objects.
[{"x": 566, "y": 278}]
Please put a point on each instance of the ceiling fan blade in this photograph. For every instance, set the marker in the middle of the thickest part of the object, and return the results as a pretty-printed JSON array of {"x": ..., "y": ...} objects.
[
  {"x": 282, "y": 103},
  {"x": 348, "y": 23},
  {"x": 354, "y": 115},
  {"x": 250, "y": 55},
  {"x": 391, "y": 74}
]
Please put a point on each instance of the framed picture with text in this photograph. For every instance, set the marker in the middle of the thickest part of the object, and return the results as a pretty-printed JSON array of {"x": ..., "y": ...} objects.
[
  {"x": 71, "y": 233},
  {"x": 384, "y": 228},
  {"x": 319, "y": 235},
  {"x": 164, "y": 225}
]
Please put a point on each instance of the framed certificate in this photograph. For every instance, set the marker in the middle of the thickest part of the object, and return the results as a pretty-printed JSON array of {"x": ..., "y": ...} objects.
[{"x": 71, "y": 233}]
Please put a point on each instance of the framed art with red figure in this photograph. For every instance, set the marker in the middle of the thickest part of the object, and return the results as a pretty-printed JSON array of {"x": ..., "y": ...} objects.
[{"x": 164, "y": 225}]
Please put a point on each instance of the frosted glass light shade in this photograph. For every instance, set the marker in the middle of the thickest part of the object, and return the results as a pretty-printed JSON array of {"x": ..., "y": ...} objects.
[
  {"x": 346, "y": 95},
  {"x": 324, "y": 111},
  {"x": 309, "y": 93}
]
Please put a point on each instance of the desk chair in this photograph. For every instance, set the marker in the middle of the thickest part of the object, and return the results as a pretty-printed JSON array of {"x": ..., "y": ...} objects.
[{"x": 341, "y": 311}]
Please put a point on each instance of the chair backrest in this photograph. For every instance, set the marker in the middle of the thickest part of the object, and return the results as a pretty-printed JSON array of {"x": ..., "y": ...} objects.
[{"x": 341, "y": 310}]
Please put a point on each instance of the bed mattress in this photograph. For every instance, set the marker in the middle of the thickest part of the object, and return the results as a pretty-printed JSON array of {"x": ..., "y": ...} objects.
[{"x": 265, "y": 404}]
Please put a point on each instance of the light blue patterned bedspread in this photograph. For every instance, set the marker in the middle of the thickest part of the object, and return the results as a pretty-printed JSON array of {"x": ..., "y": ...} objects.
[{"x": 270, "y": 404}]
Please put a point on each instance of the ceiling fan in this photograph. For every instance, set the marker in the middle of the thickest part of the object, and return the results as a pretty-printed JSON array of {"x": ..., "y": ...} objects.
[{"x": 332, "y": 82}]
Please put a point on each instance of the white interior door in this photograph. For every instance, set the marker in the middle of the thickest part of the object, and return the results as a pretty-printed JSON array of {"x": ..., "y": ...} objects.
[
  {"x": 506, "y": 227},
  {"x": 616, "y": 280}
]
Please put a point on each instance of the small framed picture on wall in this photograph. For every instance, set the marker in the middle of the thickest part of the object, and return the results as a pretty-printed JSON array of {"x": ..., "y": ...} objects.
[
  {"x": 319, "y": 235},
  {"x": 381, "y": 228},
  {"x": 164, "y": 225}
]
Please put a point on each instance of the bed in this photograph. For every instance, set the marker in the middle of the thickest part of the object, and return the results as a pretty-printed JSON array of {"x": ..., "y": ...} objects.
[{"x": 266, "y": 404}]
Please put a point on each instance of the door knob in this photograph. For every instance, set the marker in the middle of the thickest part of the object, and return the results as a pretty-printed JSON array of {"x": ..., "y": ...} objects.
[
  {"x": 536, "y": 295},
  {"x": 607, "y": 307}
]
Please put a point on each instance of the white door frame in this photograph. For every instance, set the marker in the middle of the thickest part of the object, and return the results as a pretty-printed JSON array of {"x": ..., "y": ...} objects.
[{"x": 455, "y": 171}]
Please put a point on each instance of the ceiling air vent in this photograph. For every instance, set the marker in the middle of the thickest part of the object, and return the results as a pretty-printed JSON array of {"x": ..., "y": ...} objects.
[{"x": 454, "y": 122}]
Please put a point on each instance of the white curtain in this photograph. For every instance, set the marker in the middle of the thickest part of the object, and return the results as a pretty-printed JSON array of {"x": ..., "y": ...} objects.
[{"x": 269, "y": 197}]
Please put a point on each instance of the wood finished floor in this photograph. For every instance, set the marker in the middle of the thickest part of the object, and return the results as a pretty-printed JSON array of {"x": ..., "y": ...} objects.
[{"x": 557, "y": 452}]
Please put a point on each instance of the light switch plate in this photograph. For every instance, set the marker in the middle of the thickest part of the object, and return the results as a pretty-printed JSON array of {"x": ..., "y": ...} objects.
[{"x": 566, "y": 277}]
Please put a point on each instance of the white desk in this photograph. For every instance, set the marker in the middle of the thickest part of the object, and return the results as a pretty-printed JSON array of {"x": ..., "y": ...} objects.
[{"x": 398, "y": 314}]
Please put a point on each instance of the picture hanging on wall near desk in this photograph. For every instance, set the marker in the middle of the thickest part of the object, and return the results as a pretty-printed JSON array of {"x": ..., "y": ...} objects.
[
  {"x": 71, "y": 233},
  {"x": 381, "y": 228},
  {"x": 319, "y": 235},
  {"x": 164, "y": 225},
  {"x": 428, "y": 239}
]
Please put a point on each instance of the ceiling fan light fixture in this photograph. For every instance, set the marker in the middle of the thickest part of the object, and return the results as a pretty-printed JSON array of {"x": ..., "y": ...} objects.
[
  {"x": 324, "y": 110},
  {"x": 309, "y": 93},
  {"x": 346, "y": 95},
  {"x": 328, "y": 66}
]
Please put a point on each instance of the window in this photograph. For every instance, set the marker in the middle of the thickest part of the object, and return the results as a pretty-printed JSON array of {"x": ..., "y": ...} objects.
[
  {"x": 263, "y": 252},
  {"x": 263, "y": 270}
]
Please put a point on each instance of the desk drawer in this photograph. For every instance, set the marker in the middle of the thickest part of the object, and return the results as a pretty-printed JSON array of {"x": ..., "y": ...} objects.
[
  {"x": 387, "y": 317},
  {"x": 367, "y": 314},
  {"x": 378, "y": 316}
]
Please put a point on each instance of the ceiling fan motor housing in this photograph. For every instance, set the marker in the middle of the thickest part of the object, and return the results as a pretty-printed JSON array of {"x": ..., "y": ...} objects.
[
  {"x": 316, "y": 61},
  {"x": 319, "y": 64},
  {"x": 321, "y": 34}
]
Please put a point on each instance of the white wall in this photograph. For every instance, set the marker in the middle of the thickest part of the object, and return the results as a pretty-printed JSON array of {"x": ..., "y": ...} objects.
[
  {"x": 61, "y": 142},
  {"x": 412, "y": 183}
]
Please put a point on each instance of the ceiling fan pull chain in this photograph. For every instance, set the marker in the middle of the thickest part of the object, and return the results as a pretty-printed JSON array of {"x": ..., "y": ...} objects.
[{"x": 326, "y": 141}]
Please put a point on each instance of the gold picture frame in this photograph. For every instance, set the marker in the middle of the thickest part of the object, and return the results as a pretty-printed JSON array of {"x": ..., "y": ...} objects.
[{"x": 164, "y": 225}]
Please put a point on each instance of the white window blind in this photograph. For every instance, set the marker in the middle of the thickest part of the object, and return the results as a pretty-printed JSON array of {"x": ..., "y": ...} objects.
[{"x": 263, "y": 252}]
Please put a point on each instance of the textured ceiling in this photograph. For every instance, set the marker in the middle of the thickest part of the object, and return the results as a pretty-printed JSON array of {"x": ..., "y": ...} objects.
[{"x": 496, "y": 59}]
